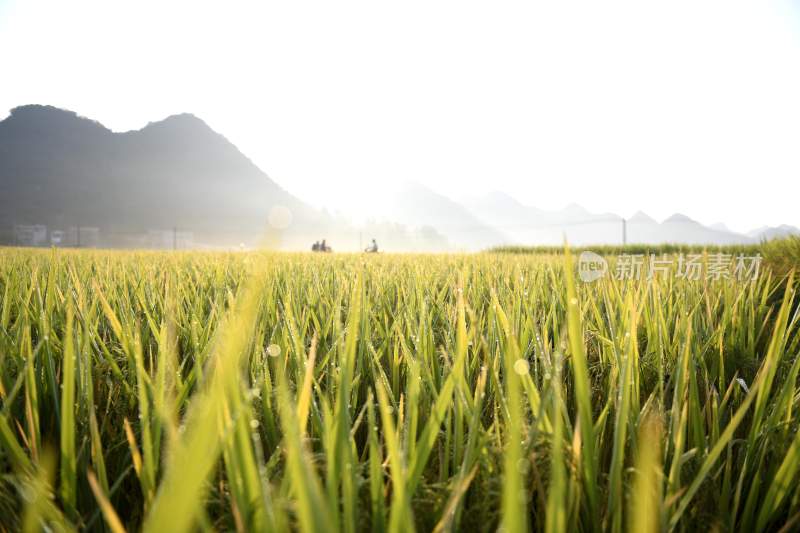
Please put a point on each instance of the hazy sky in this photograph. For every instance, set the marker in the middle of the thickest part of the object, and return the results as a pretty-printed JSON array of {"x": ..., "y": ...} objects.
[{"x": 688, "y": 106}]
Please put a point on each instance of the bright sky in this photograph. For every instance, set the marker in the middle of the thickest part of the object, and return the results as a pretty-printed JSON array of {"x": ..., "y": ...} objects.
[{"x": 688, "y": 106}]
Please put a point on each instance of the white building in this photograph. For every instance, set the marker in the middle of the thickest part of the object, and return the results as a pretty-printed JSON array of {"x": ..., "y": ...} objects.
[
  {"x": 82, "y": 237},
  {"x": 30, "y": 235},
  {"x": 57, "y": 237},
  {"x": 170, "y": 239}
]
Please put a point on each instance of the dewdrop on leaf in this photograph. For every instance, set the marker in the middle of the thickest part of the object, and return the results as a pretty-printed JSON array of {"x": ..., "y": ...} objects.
[
  {"x": 273, "y": 350},
  {"x": 521, "y": 367}
]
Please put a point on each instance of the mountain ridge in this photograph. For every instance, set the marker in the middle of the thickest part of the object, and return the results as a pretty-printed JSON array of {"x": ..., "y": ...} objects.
[
  {"x": 62, "y": 169},
  {"x": 177, "y": 172}
]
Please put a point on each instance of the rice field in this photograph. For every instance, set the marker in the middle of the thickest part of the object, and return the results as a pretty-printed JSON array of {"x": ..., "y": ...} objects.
[{"x": 314, "y": 392}]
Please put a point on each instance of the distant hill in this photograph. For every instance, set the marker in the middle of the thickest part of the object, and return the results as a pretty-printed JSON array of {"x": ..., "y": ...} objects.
[
  {"x": 767, "y": 233},
  {"x": 527, "y": 225},
  {"x": 679, "y": 228},
  {"x": 501, "y": 210},
  {"x": 530, "y": 225},
  {"x": 61, "y": 170},
  {"x": 415, "y": 205}
]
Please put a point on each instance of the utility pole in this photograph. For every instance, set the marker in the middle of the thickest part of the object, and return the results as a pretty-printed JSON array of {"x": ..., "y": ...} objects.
[
  {"x": 624, "y": 232},
  {"x": 174, "y": 238}
]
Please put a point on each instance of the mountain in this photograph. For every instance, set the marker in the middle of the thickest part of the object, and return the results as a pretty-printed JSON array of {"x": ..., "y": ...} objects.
[
  {"x": 524, "y": 224},
  {"x": 61, "y": 170},
  {"x": 528, "y": 225},
  {"x": 679, "y": 228},
  {"x": 415, "y": 205},
  {"x": 719, "y": 226},
  {"x": 767, "y": 233},
  {"x": 678, "y": 218},
  {"x": 641, "y": 217},
  {"x": 505, "y": 213}
]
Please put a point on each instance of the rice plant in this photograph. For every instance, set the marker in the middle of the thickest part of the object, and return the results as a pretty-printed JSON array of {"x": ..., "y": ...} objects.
[{"x": 299, "y": 392}]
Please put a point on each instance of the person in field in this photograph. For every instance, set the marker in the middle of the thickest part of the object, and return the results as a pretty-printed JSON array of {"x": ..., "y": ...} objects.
[
  {"x": 372, "y": 248},
  {"x": 315, "y": 247}
]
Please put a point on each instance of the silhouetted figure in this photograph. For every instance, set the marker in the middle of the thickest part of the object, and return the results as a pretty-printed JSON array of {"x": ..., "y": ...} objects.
[
  {"x": 372, "y": 248},
  {"x": 315, "y": 247},
  {"x": 324, "y": 247}
]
